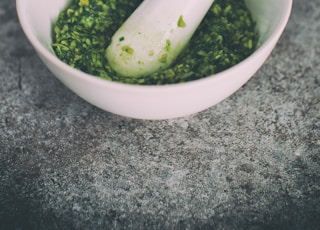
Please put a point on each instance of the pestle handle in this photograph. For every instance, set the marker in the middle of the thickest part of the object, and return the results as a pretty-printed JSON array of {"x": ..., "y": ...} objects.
[{"x": 154, "y": 35}]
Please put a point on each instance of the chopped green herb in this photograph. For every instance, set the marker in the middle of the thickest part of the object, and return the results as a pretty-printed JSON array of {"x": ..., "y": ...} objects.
[
  {"x": 84, "y": 29},
  {"x": 181, "y": 22},
  {"x": 128, "y": 49},
  {"x": 84, "y": 2},
  {"x": 168, "y": 45},
  {"x": 151, "y": 53},
  {"x": 163, "y": 58}
]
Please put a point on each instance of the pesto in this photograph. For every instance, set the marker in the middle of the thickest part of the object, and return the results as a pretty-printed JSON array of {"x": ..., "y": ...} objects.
[{"x": 84, "y": 29}]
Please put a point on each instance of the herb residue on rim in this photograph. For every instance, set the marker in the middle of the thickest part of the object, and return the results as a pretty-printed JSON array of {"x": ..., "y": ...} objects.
[{"x": 84, "y": 29}]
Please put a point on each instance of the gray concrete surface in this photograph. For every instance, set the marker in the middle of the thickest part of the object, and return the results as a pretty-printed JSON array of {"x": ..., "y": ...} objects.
[{"x": 251, "y": 162}]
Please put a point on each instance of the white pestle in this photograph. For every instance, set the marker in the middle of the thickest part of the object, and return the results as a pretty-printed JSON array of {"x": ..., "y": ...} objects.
[{"x": 154, "y": 35}]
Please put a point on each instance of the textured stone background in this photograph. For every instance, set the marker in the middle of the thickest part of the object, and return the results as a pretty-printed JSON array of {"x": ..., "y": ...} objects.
[{"x": 251, "y": 162}]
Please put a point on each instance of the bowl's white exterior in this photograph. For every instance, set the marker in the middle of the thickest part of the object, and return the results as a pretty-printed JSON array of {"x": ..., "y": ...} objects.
[{"x": 153, "y": 102}]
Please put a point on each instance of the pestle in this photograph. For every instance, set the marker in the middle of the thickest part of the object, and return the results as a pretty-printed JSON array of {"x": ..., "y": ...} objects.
[{"x": 154, "y": 35}]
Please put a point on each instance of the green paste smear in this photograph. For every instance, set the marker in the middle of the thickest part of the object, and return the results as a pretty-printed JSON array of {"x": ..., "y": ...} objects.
[{"x": 84, "y": 29}]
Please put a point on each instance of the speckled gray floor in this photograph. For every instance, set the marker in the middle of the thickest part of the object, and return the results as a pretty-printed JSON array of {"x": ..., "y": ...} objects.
[{"x": 251, "y": 162}]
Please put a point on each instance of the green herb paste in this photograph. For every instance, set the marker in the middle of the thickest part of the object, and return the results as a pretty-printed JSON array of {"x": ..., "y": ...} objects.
[{"x": 84, "y": 29}]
